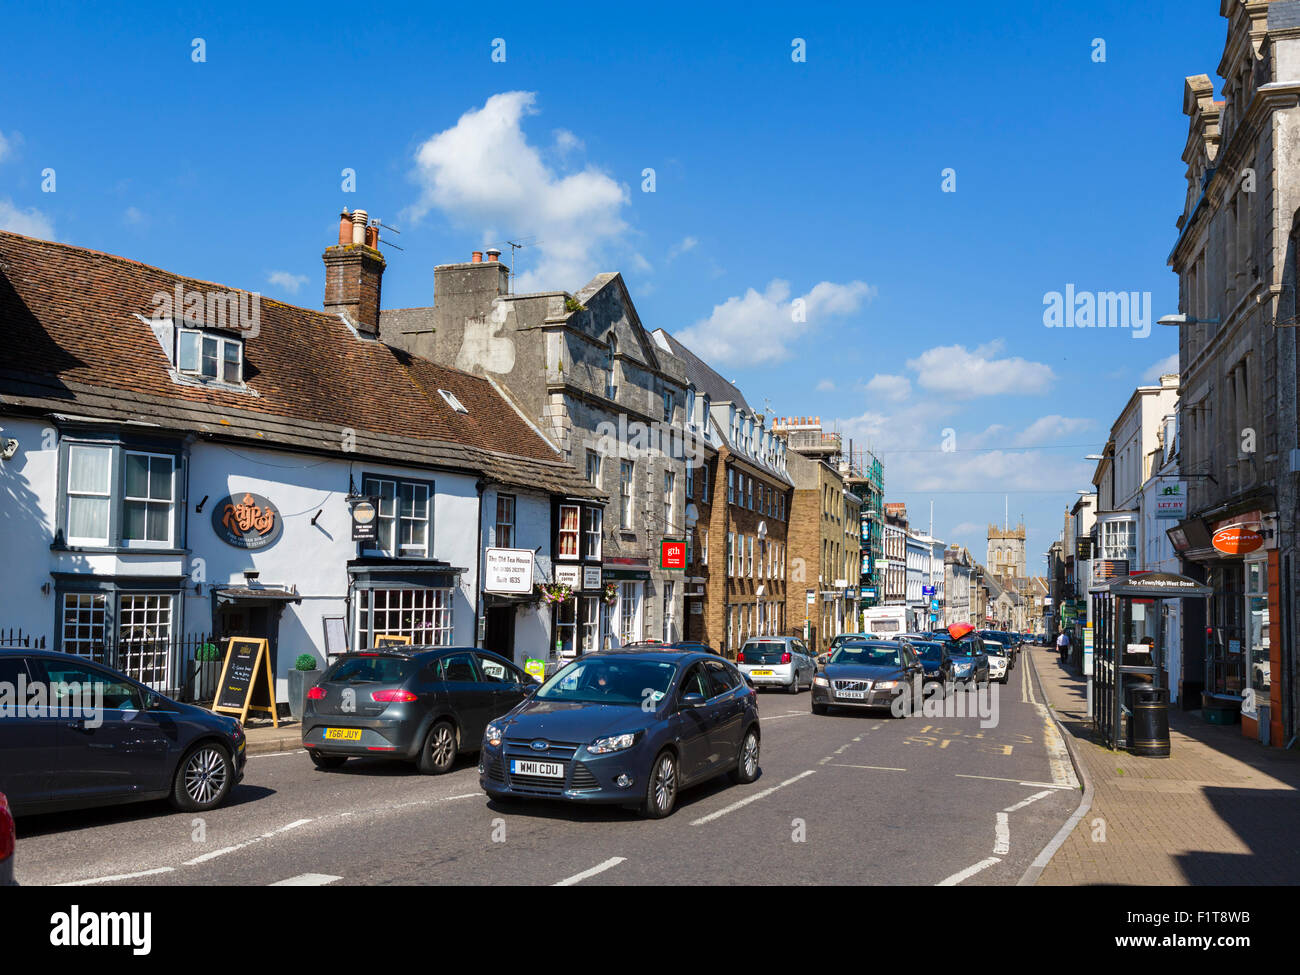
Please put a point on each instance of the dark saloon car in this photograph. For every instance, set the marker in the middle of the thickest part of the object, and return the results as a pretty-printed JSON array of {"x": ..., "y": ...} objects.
[
  {"x": 936, "y": 661},
  {"x": 78, "y": 734},
  {"x": 869, "y": 674},
  {"x": 419, "y": 704},
  {"x": 627, "y": 726}
]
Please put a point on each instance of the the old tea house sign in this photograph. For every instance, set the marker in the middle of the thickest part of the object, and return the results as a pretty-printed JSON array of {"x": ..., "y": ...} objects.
[{"x": 247, "y": 521}]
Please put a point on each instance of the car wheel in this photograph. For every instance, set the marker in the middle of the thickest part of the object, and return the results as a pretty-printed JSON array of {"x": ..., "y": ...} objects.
[
  {"x": 819, "y": 708},
  {"x": 794, "y": 683},
  {"x": 438, "y": 754},
  {"x": 661, "y": 788},
  {"x": 746, "y": 770},
  {"x": 327, "y": 761},
  {"x": 203, "y": 778}
]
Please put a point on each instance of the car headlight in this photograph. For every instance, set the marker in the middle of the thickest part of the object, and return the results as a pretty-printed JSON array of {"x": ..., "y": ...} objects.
[
  {"x": 884, "y": 685},
  {"x": 493, "y": 734},
  {"x": 821, "y": 681},
  {"x": 614, "y": 743},
  {"x": 961, "y": 668}
]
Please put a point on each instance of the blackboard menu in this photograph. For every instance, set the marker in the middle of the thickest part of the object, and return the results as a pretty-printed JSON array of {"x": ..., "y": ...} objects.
[{"x": 241, "y": 659}]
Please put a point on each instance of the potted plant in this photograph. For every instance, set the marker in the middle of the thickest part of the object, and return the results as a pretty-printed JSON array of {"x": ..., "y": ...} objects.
[
  {"x": 555, "y": 592},
  {"x": 304, "y": 675},
  {"x": 208, "y": 658}
]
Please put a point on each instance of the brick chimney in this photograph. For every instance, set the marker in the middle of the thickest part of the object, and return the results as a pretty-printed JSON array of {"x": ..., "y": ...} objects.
[{"x": 354, "y": 271}]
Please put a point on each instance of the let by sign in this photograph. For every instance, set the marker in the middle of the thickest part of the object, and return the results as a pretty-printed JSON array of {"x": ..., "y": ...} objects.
[{"x": 672, "y": 554}]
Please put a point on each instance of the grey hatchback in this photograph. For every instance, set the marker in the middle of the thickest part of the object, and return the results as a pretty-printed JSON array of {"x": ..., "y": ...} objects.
[
  {"x": 421, "y": 704},
  {"x": 632, "y": 727}
]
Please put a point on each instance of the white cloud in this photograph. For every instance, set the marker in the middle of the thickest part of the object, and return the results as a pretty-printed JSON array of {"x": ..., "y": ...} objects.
[
  {"x": 965, "y": 373},
  {"x": 4, "y": 147},
  {"x": 682, "y": 246},
  {"x": 1047, "y": 430},
  {"x": 483, "y": 175},
  {"x": 826, "y": 386},
  {"x": 566, "y": 141},
  {"x": 759, "y": 328},
  {"x": 288, "y": 281},
  {"x": 895, "y": 389},
  {"x": 133, "y": 216},
  {"x": 641, "y": 264},
  {"x": 31, "y": 222},
  {"x": 1166, "y": 366}
]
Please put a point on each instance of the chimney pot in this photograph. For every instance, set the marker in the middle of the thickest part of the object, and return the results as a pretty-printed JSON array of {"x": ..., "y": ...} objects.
[
  {"x": 359, "y": 220},
  {"x": 477, "y": 257},
  {"x": 345, "y": 227},
  {"x": 372, "y": 237},
  {"x": 493, "y": 254}
]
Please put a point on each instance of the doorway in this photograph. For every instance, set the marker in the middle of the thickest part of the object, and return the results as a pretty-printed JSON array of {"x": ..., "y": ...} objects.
[{"x": 499, "y": 631}]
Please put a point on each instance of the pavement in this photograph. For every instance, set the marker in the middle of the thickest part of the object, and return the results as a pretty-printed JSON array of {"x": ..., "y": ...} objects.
[
  {"x": 851, "y": 797},
  {"x": 1216, "y": 811},
  {"x": 266, "y": 739}
]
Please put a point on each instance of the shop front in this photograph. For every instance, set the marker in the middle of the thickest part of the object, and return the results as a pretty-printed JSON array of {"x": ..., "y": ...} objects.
[{"x": 1237, "y": 554}]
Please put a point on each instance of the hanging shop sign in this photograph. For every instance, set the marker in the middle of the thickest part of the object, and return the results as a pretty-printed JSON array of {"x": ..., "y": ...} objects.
[
  {"x": 569, "y": 575},
  {"x": 590, "y": 577},
  {"x": 1236, "y": 540},
  {"x": 508, "y": 570},
  {"x": 1083, "y": 549},
  {"x": 365, "y": 519},
  {"x": 1171, "y": 501},
  {"x": 672, "y": 554},
  {"x": 247, "y": 521}
]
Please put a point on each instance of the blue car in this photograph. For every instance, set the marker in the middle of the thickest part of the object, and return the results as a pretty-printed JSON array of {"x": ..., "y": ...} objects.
[{"x": 630, "y": 726}]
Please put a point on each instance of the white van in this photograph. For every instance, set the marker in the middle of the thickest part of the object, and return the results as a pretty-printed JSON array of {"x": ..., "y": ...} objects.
[{"x": 885, "y": 622}]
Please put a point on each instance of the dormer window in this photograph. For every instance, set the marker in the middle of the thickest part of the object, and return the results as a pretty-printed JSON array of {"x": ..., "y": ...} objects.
[{"x": 210, "y": 355}]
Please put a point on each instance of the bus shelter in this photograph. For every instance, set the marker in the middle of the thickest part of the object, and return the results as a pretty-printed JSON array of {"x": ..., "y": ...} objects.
[{"x": 1129, "y": 642}]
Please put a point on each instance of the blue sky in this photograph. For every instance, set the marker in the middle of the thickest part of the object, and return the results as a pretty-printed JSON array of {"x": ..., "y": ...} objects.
[{"x": 774, "y": 181}]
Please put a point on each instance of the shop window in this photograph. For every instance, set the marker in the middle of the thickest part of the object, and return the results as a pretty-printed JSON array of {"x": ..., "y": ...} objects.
[
  {"x": 425, "y": 615},
  {"x": 138, "y": 625}
]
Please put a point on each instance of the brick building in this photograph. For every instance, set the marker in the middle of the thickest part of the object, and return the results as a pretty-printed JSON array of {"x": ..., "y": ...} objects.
[{"x": 738, "y": 509}]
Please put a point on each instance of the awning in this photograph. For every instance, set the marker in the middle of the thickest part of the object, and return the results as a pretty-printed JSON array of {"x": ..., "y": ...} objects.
[
  {"x": 1156, "y": 585},
  {"x": 236, "y": 594}
]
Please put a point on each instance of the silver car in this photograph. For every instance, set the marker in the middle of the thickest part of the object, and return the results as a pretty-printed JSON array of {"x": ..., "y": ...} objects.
[{"x": 777, "y": 661}]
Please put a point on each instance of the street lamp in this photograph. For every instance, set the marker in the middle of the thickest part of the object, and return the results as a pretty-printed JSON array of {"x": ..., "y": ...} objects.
[
  {"x": 1094, "y": 457},
  {"x": 1176, "y": 320}
]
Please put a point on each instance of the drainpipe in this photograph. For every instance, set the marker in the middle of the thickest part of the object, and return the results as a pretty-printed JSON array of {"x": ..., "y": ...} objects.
[{"x": 479, "y": 486}]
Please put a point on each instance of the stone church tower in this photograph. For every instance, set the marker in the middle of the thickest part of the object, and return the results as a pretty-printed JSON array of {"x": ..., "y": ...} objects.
[{"x": 1006, "y": 552}]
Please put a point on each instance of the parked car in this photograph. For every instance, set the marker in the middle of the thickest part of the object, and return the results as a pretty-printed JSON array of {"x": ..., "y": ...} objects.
[
  {"x": 777, "y": 661},
  {"x": 1010, "y": 643},
  {"x": 970, "y": 664},
  {"x": 632, "y": 727},
  {"x": 936, "y": 661},
  {"x": 102, "y": 738},
  {"x": 999, "y": 660},
  {"x": 417, "y": 704},
  {"x": 8, "y": 843},
  {"x": 866, "y": 674}
]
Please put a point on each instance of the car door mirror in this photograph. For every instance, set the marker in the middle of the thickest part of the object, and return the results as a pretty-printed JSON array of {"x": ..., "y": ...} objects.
[{"x": 692, "y": 699}]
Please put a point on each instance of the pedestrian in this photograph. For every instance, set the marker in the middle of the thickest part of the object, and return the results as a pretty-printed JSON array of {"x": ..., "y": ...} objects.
[{"x": 1063, "y": 646}]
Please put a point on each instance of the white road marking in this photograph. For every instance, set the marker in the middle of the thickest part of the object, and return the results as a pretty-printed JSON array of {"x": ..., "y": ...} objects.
[
  {"x": 876, "y": 727},
  {"x": 859, "y": 738},
  {"x": 598, "y": 868},
  {"x": 969, "y": 872},
  {"x": 994, "y": 778},
  {"x": 1034, "y": 798},
  {"x": 1002, "y": 835},
  {"x": 745, "y": 802},
  {"x": 296, "y": 751},
  {"x": 213, "y": 854},
  {"x": 823, "y": 761},
  {"x": 114, "y": 879},
  {"x": 778, "y": 717},
  {"x": 294, "y": 825},
  {"x": 307, "y": 880},
  {"x": 879, "y": 768}
]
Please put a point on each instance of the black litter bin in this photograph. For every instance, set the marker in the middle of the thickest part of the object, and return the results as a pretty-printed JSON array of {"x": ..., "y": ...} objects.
[{"x": 1148, "y": 723}]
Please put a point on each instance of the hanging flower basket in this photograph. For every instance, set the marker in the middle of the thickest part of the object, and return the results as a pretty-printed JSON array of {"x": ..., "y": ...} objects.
[
  {"x": 611, "y": 593},
  {"x": 555, "y": 592}
]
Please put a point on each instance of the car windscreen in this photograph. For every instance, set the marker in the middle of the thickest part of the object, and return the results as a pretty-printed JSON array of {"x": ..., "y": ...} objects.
[
  {"x": 992, "y": 646},
  {"x": 928, "y": 651},
  {"x": 961, "y": 648},
  {"x": 369, "y": 669},
  {"x": 610, "y": 680},
  {"x": 866, "y": 656},
  {"x": 765, "y": 652}
]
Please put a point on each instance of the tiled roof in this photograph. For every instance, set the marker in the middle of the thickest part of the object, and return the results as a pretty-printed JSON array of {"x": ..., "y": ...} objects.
[
  {"x": 68, "y": 316},
  {"x": 706, "y": 379}
]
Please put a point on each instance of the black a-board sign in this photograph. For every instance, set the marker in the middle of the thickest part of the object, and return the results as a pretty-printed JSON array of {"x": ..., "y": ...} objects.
[{"x": 246, "y": 683}]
